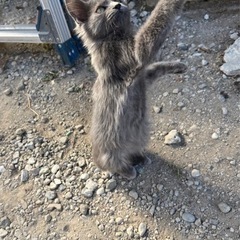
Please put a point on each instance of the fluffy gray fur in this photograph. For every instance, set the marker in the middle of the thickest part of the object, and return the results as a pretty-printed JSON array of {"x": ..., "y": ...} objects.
[{"x": 122, "y": 60}]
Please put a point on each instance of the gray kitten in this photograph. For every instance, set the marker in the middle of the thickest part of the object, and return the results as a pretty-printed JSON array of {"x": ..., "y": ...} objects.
[{"x": 123, "y": 62}]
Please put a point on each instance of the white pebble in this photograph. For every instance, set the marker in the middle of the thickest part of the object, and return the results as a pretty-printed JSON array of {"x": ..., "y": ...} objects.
[
  {"x": 224, "y": 111},
  {"x": 142, "y": 229},
  {"x": 215, "y": 136},
  {"x": 206, "y": 16},
  {"x": 195, "y": 173}
]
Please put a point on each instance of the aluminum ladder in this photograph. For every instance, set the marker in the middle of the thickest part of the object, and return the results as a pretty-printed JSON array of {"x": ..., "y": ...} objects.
[{"x": 53, "y": 26}]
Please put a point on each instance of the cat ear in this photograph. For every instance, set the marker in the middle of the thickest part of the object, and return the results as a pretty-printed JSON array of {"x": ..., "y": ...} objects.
[{"x": 78, "y": 9}]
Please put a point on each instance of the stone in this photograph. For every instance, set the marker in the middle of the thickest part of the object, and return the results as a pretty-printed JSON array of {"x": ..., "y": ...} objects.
[
  {"x": 50, "y": 195},
  {"x": 8, "y": 92},
  {"x": 68, "y": 195},
  {"x": 84, "y": 176},
  {"x": 234, "y": 36},
  {"x": 142, "y": 228},
  {"x": 173, "y": 137},
  {"x": 89, "y": 188},
  {"x": 111, "y": 184},
  {"x": 81, "y": 162},
  {"x": 224, "y": 207},
  {"x": 215, "y": 136},
  {"x": 55, "y": 168},
  {"x": 84, "y": 209},
  {"x": 24, "y": 176},
  {"x": 2, "y": 169},
  {"x": 63, "y": 140},
  {"x": 118, "y": 220},
  {"x": 195, "y": 173},
  {"x": 5, "y": 222},
  {"x": 224, "y": 111},
  {"x": 53, "y": 206},
  {"x": 204, "y": 62},
  {"x": 157, "y": 109},
  {"x": 231, "y": 67},
  {"x": 183, "y": 46},
  {"x": 48, "y": 218},
  {"x": 188, "y": 217},
  {"x": 3, "y": 233},
  {"x": 133, "y": 194},
  {"x": 206, "y": 16},
  {"x": 130, "y": 231},
  {"x": 20, "y": 132},
  {"x": 100, "y": 191}
]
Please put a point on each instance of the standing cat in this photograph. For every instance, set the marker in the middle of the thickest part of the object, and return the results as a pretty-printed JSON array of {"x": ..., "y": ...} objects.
[{"x": 123, "y": 63}]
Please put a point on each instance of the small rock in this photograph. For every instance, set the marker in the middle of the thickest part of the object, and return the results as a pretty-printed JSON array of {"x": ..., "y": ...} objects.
[
  {"x": 231, "y": 66},
  {"x": 224, "y": 207},
  {"x": 55, "y": 168},
  {"x": 206, "y": 16},
  {"x": 133, "y": 194},
  {"x": 84, "y": 176},
  {"x": 70, "y": 72},
  {"x": 48, "y": 218},
  {"x": 204, "y": 62},
  {"x": 68, "y": 195},
  {"x": 53, "y": 206},
  {"x": 8, "y": 92},
  {"x": 175, "y": 91},
  {"x": 188, "y": 217},
  {"x": 24, "y": 176},
  {"x": 81, "y": 162},
  {"x": 50, "y": 195},
  {"x": 111, "y": 184},
  {"x": 84, "y": 209},
  {"x": 182, "y": 46},
  {"x": 157, "y": 109},
  {"x": 130, "y": 231},
  {"x": 142, "y": 229},
  {"x": 195, "y": 173},
  {"x": 2, "y": 169},
  {"x": 224, "y": 111},
  {"x": 215, "y": 136},
  {"x": 25, "y": 4},
  {"x": 90, "y": 187},
  {"x": 234, "y": 36},
  {"x": 21, "y": 87},
  {"x": 118, "y": 220},
  {"x": 131, "y": 5},
  {"x": 100, "y": 191},
  {"x": 63, "y": 140},
  {"x": 44, "y": 170},
  {"x": 3, "y": 233},
  {"x": 5, "y": 222},
  {"x": 173, "y": 137},
  {"x": 20, "y": 132}
]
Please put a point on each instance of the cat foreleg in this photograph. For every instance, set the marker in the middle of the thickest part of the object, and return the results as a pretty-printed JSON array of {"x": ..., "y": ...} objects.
[
  {"x": 153, "y": 33},
  {"x": 158, "y": 69}
]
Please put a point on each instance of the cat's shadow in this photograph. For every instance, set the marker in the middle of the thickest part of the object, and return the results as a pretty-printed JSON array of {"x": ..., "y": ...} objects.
[{"x": 172, "y": 190}]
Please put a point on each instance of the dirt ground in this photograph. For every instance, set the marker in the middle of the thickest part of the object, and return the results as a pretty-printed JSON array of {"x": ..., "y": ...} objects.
[{"x": 50, "y": 102}]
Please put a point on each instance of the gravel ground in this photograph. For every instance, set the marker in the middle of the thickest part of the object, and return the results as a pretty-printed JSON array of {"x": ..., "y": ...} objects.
[{"x": 49, "y": 187}]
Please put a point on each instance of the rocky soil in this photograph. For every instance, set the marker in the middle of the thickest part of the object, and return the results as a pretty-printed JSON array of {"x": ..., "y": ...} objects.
[{"x": 49, "y": 187}]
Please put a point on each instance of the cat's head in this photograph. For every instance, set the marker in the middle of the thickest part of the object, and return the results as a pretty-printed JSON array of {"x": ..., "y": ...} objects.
[{"x": 100, "y": 18}]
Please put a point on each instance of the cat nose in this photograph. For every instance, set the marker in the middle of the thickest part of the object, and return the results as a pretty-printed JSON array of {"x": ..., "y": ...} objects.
[{"x": 118, "y": 6}]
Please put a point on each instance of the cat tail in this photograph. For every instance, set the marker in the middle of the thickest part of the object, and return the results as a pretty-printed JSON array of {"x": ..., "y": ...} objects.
[
  {"x": 153, "y": 32},
  {"x": 158, "y": 69}
]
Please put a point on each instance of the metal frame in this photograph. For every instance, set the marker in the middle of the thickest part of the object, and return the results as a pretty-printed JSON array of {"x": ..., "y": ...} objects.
[{"x": 53, "y": 26}]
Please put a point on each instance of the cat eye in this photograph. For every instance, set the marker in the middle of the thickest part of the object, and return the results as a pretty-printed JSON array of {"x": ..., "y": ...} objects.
[{"x": 101, "y": 9}]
